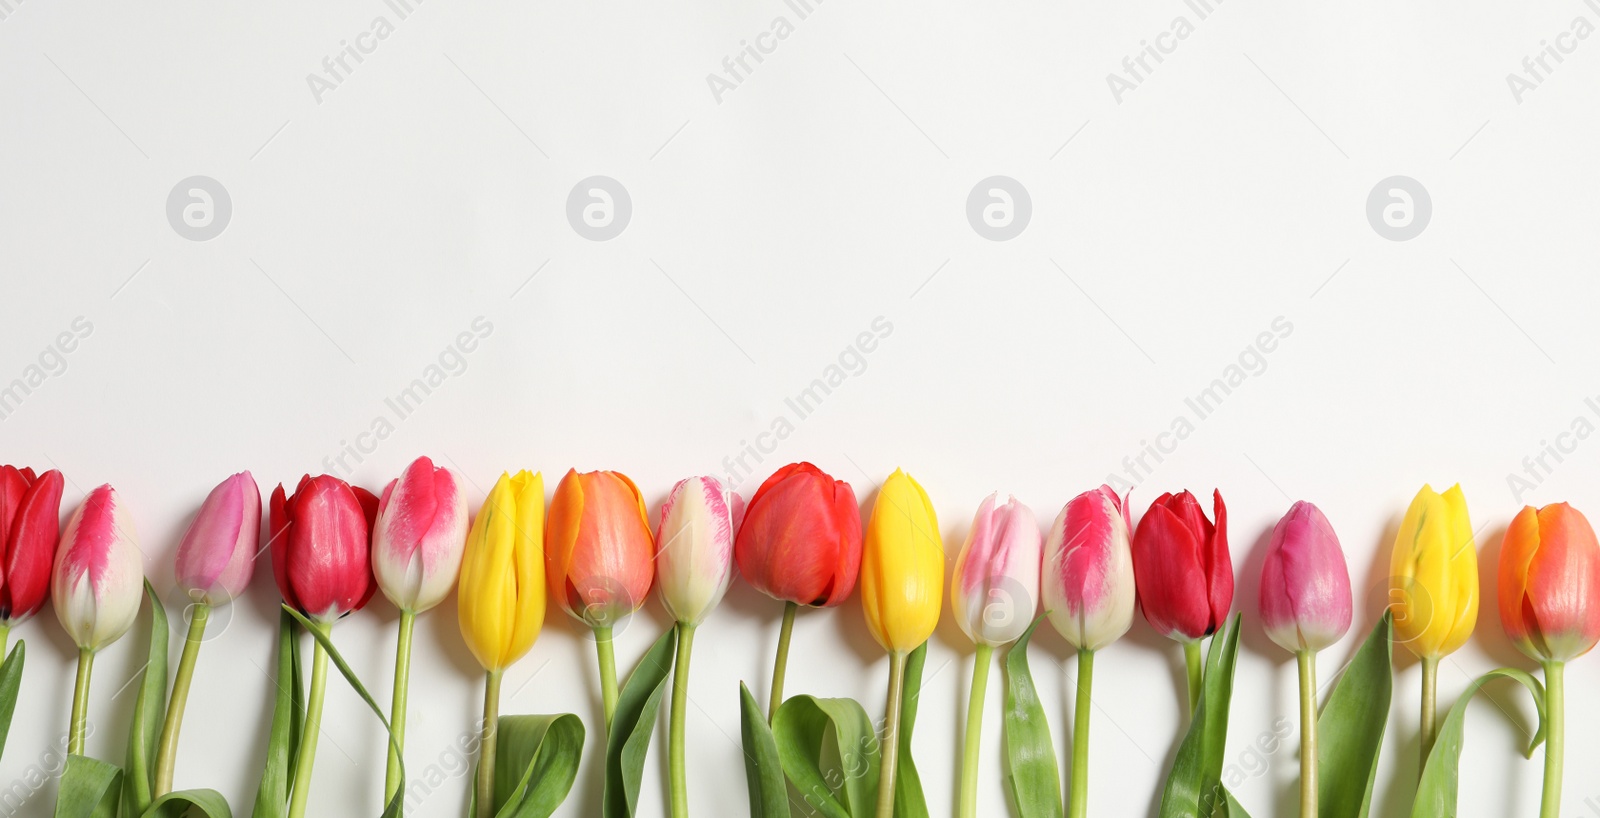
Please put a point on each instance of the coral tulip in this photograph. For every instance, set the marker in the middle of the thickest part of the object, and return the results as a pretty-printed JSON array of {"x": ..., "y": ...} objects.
[
  {"x": 1088, "y": 589},
  {"x": 502, "y": 597},
  {"x": 902, "y": 579},
  {"x": 994, "y": 595},
  {"x": 417, "y": 539},
  {"x": 1550, "y": 607},
  {"x": 1184, "y": 574},
  {"x": 599, "y": 559},
  {"x": 215, "y": 560},
  {"x": 1305, "y": 607},
  {"x": 30, "y": 522},
  {"x": 95, "y": 585},
  {"x": 1434, "y": 591},
  {"x": 800, "y": 543},
  {"x": 694, "y": 564},
  {"x": 322, "y": 560}
]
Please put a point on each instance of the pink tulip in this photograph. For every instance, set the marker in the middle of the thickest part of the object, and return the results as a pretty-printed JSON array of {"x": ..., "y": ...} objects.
[
  {"x": 1305, "y": 586},
  {"x": 419, "y": 536},
  {"x": 99, "y": 572},
  {"x": 996, "y": 588},
  {"x": 1088, "y": 575},
  {"x": 321, "y": 556},
  {"x": 218, "y": 552}
]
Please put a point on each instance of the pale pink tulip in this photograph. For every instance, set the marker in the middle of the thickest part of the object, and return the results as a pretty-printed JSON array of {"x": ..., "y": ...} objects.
[
  {"x": 995, "y": 592},
  {"x": 218, "y": 551},
  {"x": 694, "y": 557}
]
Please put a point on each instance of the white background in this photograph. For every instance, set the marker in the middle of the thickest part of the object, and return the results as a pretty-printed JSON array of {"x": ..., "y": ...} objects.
[{"x": 768, "y": 230}]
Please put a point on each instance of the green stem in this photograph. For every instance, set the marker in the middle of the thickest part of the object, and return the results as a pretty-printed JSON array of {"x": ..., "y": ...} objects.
[
  {"x": 1308, "y": 733},
  {"x": 167, "y": 752},
  {"x": 491, "y": 737},
  {"x": 5, "y": 636},
  {"x": 891, "y": 735},
  {"x": 312, "y": 728},
  {"x": 781, "y": 666},
  {"x": 1430, "y": 708},
  {"x": 1196, "y": 667},
  {"x": 974, "y": 735},
  {"x": 680, "y": 700},
  {"x": 80, "y": 703},
  {"x": 608, "y": 672},
  {"x": 1078, "y": 796},
  {"x": 397, "y": 706},
  {"x": 1555, "y": 730}
]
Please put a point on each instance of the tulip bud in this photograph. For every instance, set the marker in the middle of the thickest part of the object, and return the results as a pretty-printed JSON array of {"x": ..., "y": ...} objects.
[
  {"x": 902, "y": 566},
  {"x": 1550, "y": 583},
  {"x": 99, "y": 572},
  {"x": 419, "y": 534},
  {"x": 218, "y": 552},
  {"x": 694, "y": 557},
  {"x": 1182, "y": 567},
  {"x": 1305, "y": 586},
  {"x": 996, "y": 589},
  {"x": 30, "y": 522},
  {"x": 598, "y": 549},
  {"x": 321, "y": 552},
  {"x": 502, "y": 597},
  {"x": 1088, "y": 570},
  {"x": 1435, "y": 574},
  {"x": 800, "y": 540}
]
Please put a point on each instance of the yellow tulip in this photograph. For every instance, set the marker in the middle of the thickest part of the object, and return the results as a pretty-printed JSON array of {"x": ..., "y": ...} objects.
[
  {"x": 502, "y": 591},
  {"x": 902, "y": 566},
  {"x": 1434, "y": 572}
]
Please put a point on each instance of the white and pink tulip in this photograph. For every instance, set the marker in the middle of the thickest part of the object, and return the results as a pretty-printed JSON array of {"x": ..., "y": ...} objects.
[{"x": 1088, "y": 583}]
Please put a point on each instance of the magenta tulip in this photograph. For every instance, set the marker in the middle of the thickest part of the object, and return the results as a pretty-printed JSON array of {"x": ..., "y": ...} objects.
[
  {"x": 1305, "y": 586},
  {"x": 218, "y": 552}
]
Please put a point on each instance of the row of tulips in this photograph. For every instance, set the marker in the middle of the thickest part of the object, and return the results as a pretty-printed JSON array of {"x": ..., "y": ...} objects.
[{"x": 799, "y": 540}]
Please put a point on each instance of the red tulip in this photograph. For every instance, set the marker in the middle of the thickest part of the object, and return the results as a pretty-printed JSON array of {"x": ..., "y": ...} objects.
[
  {"x": 30, "y": 520},
  {"x": 1550, "y": 583},
  {"x": 1182, "y": 568},
  {"x": 321, "y": 556},
  {"x": 801, "y": 537}
]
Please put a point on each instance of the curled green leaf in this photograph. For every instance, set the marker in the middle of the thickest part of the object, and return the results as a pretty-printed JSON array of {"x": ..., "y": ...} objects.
[
  {"x": 634, "y": 721},
  {"x": 536, "y": 763},
  {"x": 189, "y": 804},
  {"x": 89, "y": 789},
  {"x": 1034, "y": 778},
  {"x": 763, "y": 772},
  {"x": 149, "y": 710},
  {"x": 908, "y": 798},
  {"x": 1441, "y": 776},
  {"x": 272, "y": 797},
  {"x": 837, "y": 778}
]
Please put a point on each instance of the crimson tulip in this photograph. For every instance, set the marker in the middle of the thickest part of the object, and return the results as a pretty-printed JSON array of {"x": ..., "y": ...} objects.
[
  {"x": 321, "y": 556},
  {"x": 1184, "y": 574},
  {"x": 1550, "y": 607},
  {"x": 30, "y": 522},
  {"x": 322, "y": 560},
  {"x": 800, "y": 543}
]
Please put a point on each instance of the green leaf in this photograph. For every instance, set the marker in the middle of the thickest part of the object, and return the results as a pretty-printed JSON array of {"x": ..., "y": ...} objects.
[
  {"x": 823, "y": 770},
  {"x": 10, "y": 682},
  {"x": 149, "y": 711},
  {"x": 189, "y": 804},
  {"x": 1194, "y": 785},
  {"x": 763, "y": 772},
  {"x": 908, "y": 800},
  {"x": 631, "y": 726},
  {"x": 1350, "y": 729},
  {"x": 536, "y": 763},
  {"x": 1232, "y": 804},
  {"x": 89, "y": 789},
  {"x": 396, "y": 805},
  {"x": 1034, "y": 779},
  {"x": 288, "y": 709},
  {"x": 1436, "y": 794}
]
